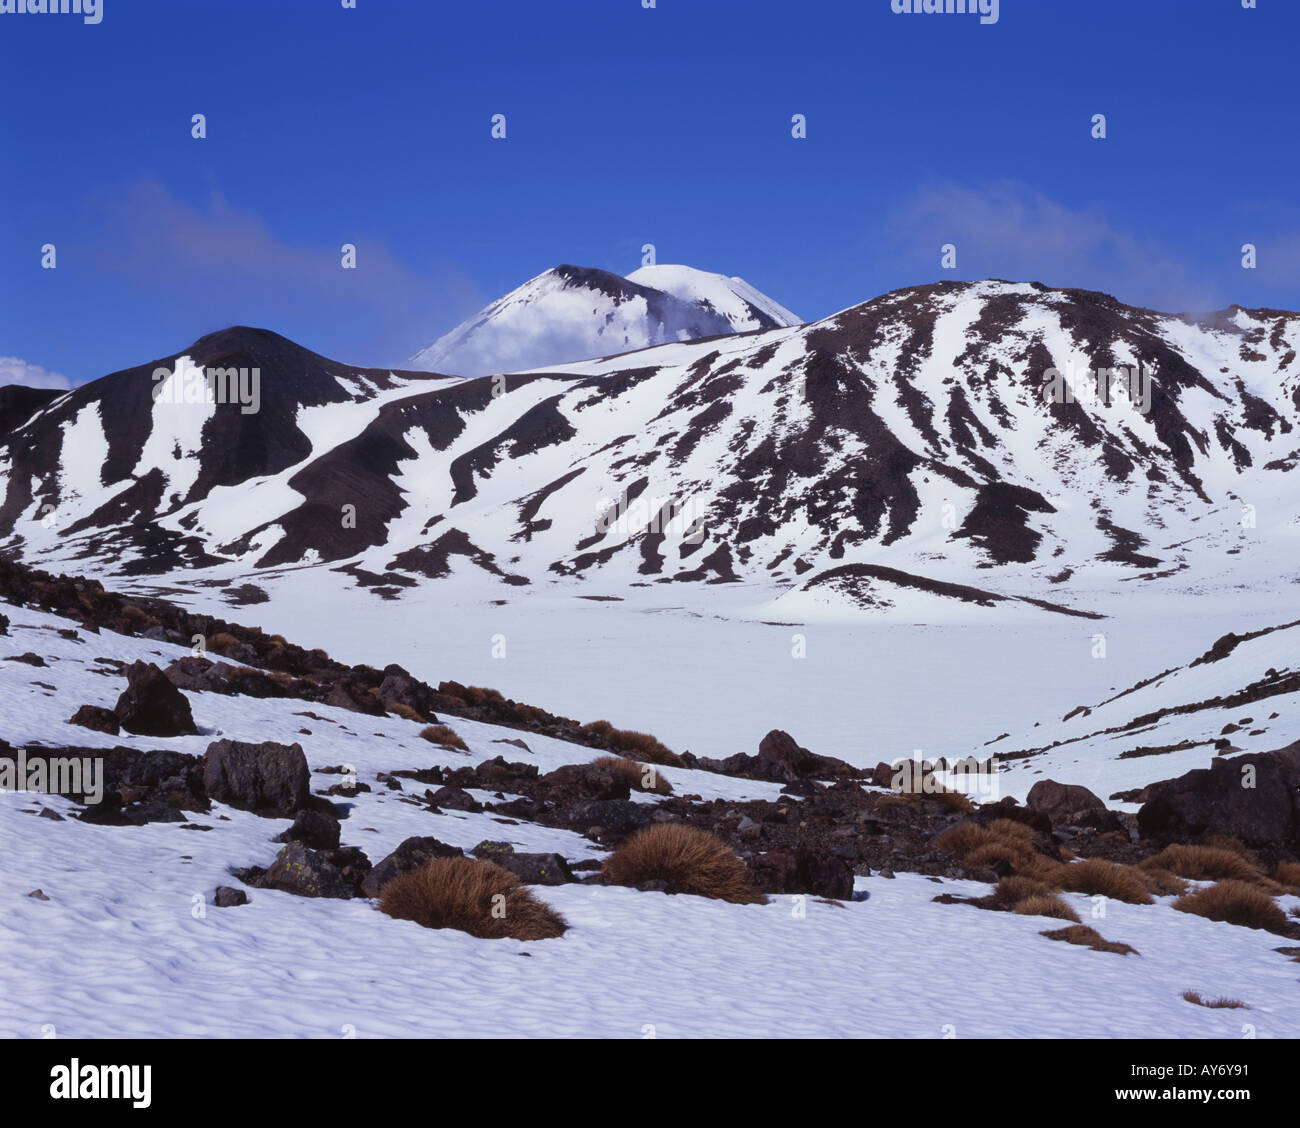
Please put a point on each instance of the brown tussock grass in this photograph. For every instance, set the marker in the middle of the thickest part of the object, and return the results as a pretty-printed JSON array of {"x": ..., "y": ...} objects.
[
  {"x": 400, "y": 709},
  {"x": 1089, "y": 938},
  {"x": 1012, "y": 890},
  {"x": 1047, "y": 905},
  {"x": 1214, "y": 1004},
  {"x": 1204, "y": 863},
  {"x": 688, "y": 859},
  {"x": 221, "y": 642},
  {"x": 1107, "y": 879},
  {"x": 1161, "y": 882},
  {"x": 1288, "y": 874},
  {"x": 640, "y": 777},
  {"x": 442, "y": 735},
  {"x": 637, "y": 745},
  {"x": 471, "y": 896},
  {"x": 1235, "y": 902}
]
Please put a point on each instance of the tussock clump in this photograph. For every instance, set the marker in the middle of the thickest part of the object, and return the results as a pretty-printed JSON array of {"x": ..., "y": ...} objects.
[
  {"x": 1204, "y": 863},
  {"x": 481, "y": 695},
  {"x": 1044, "y": 869},
  {"x": 400, "y": 709},
  {"x": 1010, "y": 829},
  {"x": 1214, "y": 1004},
  {"x": 963, "y": 838},
  {"x": 442, "y": 735},
  {"x": 1234, "y": 845},
  {"x": 687, "y": 859},
  {"x": 1002, "y": 840},
  {"x": 640, "y": 777},
  {"x": 638, "y": 745},
  {"x": 1107, "y": 879},
  {"x": 472, "y": 896},
  {"x": 1089, "y": 938},
  {"x": 1048, "y": 905},
  {"x": 1161, "y": 882},
  {"x": 1235, "y": 902},
  {"x": 1288, "y": 874},
  {"x": 221, "y": 642},
  {"x": 994, "y": 851},
  {"x": 1017, "y": 888}
]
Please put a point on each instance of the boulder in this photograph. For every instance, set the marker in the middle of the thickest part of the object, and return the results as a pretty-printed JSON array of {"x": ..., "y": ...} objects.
[
  {"x": 409, "y": 856},
  {"x": 98, "y": 718},
  {"x": 227, "y": 898},
  {"x": 617, "y": 816},
  {"x": 1063, "y": 802},
  {"x": 802, "y": 869},
  {"x": 271, "y": 779},
  {"x": 313, "y": 829},
  {"x": 531, "y": 869},
  {"x": 305, "y": 873},
  {"x": 151, "y": 706},
  {"x": 585, "y": 781},
  {"x": 1254, "y": 798}
]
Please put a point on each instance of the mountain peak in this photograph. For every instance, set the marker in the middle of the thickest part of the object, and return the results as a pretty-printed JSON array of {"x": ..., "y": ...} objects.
[{"x": 571, "y": 313}]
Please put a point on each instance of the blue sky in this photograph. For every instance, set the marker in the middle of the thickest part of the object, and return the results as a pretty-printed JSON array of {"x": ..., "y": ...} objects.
[{"x": 625, "y": 126}]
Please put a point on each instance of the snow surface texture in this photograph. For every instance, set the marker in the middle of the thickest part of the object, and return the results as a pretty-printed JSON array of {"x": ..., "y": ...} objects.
[{"x": 129, "y": 944}]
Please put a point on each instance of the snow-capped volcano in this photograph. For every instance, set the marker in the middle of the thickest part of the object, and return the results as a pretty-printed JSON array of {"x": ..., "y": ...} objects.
[
  {"x": 744, "y": 307},
  {"x": 575, "y": 313},
  {"x": 903, "y": 451}
]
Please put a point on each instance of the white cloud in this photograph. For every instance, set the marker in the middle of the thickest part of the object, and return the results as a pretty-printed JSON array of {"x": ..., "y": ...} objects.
[{"x": 14, "y": 370}]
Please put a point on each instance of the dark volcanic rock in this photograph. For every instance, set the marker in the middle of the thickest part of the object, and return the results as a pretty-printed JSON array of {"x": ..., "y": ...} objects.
[
  {"x": 531, "y": 869},
  {"x": 98, "y": 718},
  {"x": 271, "y": 779},
  {"x": 151, "y": 705},
  {"x": 617, "y": 816},
  {"x": 226, "y": 897},
  {"x": 1255, "y": 798},
  {"x": 409, "y": 856},
  {"x": 455, "y": 799},
  {"x": 1063, "y": 802},
  {"x": 306, "y": 873},
  {"x": 313, "y": 829},
  {"x": 585, "y": 781},
  {"x": 803, "y": 869}
]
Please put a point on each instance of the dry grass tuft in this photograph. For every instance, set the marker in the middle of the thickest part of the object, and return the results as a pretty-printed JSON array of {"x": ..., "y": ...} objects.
[
  {"x": 1204, "y": 863},
  {"x": 1235, "y": 902},
  {"x": 1048, "y": 905},
  {"x": 1161, "y": 882},
  {"x": 1107, "y": 879},
  {"x": 221, "y": 642},
  {"x": 687, "y": 859},
  {"x": 472, "y": 896},
  {"x": 1214, "y": 1004},
  {"x": 442, "y": 735},
  {"x": 1089, "y": 938},
  {"x": 1288, "y": 874},
  {"x": 400, "y": 709},
  {"x": 640, "y": 777},
  {"x": 1012, "y": 890},
  {"x": 638, "y": 745}
]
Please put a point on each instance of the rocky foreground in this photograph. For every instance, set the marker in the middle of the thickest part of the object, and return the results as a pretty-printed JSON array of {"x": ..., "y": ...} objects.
[{"x": 1236, "y": 823}]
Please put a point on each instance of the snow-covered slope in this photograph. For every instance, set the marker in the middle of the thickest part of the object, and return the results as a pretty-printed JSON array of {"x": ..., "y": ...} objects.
[
  {"x": 744, "y": 307},
  {"x": 131, "y": 944},
  {"x": 573, "y": 313},
  {"x": 910, "y": 433}
]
